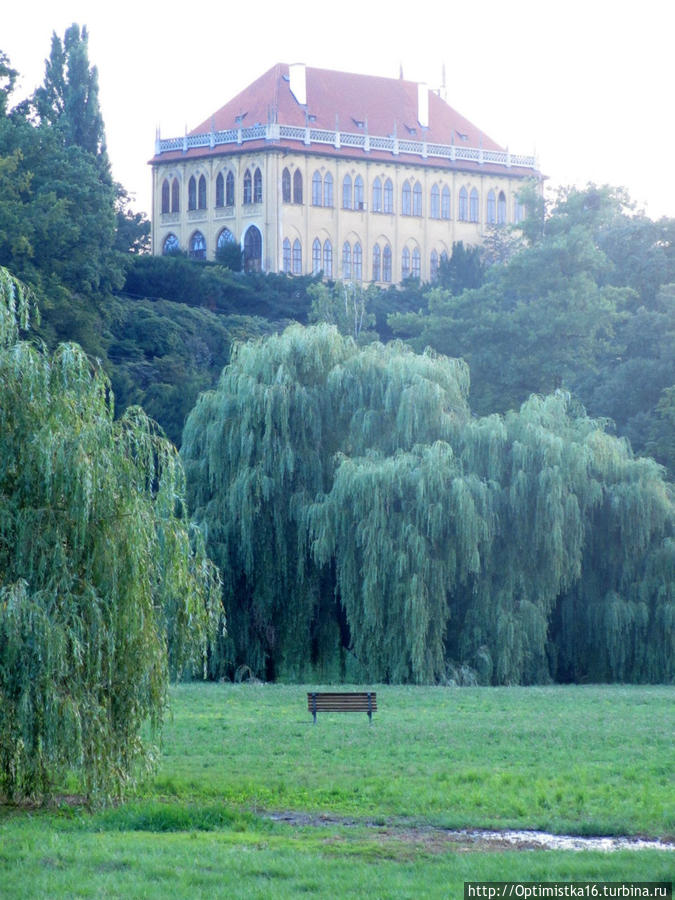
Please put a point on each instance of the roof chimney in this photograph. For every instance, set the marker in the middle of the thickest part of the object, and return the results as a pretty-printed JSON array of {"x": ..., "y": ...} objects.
[
  {"x": 423, "y": 105},
  {"x": 298, "y": 82}
]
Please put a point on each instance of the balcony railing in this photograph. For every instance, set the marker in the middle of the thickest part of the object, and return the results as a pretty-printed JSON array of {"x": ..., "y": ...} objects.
[{"x": 274, "y": 133}]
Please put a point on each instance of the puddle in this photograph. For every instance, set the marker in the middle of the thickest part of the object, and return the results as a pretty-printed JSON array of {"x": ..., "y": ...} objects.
[{"x": 480, "y": 839}]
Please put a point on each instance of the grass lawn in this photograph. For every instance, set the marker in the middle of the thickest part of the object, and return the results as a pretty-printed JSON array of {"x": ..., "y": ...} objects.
[{"x": 585, "y": 760}]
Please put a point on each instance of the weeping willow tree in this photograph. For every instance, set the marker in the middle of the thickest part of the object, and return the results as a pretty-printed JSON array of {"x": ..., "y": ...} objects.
[
  {"x": 99, "y": 575},
  {"x": 368, "y": 526}
]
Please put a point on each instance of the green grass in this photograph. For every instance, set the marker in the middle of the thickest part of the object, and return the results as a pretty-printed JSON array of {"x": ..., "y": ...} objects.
[{"x": 593, "y": 760}]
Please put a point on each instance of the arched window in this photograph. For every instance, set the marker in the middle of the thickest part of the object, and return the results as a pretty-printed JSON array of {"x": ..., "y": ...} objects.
[
  {"x": 175, "y": 196},
  {"x": 518, "y": 211},
  {"x": 386, "y": 263},
  {"x": 491, "y": 208},
  {"x": 377, "y": 259},
  {"x": 417, "y": 199},
  {"x": 405, "y": 263},
  {"x": 328, "y": 259},
  {"x": 224, "y": 239},
  {"x": 358, "y": 262},
  {"x": 347, "y": 192},
  {"x": 317, "y": 191},
  {"x": 297, "y": 257},
  {"x": 229, "y": 189},
  {"x": 297, "y": 186},
  {"x": 257, "y": 186},
  {"x": 197, "y": 246},
  {"x": 445, "y": 202},
  {"x": 377, "y": 196},
  {"x": 346, "y": 261},
  {"x": 416, "y": 263},
  {"x": 435, "y": 202},
  {"x": 192, "y": 193},
  {"x": 166, "y": 196},
  {"x": 201, "y": 194},
  {"x": 220, "y": 190},
  {"x": 316, "y": 256},
  {"x": 463, "y": 205},
  {"x": 388, "y": 197},
  {"x": 328, "y": 190},
  {"x": 406, "y": 199},
  {"x": 434, "y": 265},
  {"x": 286, "y": 186},
  {"x": 501, "y": 209},
  {"x": 473, "y": 205},
  {"x": 248, "y": 187},
  {"x": 286, "y": 265},
  {"x": 170, "y": 245},
  {"x": 358, "y": 192},
  {"x": 252, "y": 250}
]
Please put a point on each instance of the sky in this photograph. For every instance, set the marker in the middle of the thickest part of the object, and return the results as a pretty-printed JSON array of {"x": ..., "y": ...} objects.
[{"x": 581, "y": 85}]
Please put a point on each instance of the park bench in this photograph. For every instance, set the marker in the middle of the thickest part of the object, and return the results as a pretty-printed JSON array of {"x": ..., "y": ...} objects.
[{"x": 318, "y": 701}]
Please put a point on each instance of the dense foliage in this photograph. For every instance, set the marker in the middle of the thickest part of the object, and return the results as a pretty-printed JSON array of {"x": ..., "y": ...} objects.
[
  {"x": 368, "y": 526},
  {"x": 102, "y": 585}
]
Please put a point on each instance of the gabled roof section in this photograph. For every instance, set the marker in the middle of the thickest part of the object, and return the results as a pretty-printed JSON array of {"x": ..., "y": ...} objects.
[
  {"x": 346, "y": 114},
  {"x": 343, "y": 101}
]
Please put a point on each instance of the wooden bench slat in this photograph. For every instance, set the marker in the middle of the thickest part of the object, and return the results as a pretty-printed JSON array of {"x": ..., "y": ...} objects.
[{"x": 334, "y": 701}]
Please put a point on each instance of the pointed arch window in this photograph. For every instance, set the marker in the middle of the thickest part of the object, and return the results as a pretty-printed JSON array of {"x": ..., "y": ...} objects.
[
  {"x": 248, "y": 187},
  {"x": 257, "y": 186},
  {"x": 328, "y": 259},
  {"x": 416, "y": 264},
  {"x": 347, "y": 192},
  {"x": 175, "y": 196},
  {"x": 435, "y": 202},
  {"x": 501, "y": 209},
  {"x": 445, "y": 202},
  {"x": 473, "y": 205},
  {"x": 377, "y": 195},
  {"x": 358, "y": 193},
  {"x": 388, "y": 196},
  {"x": 252, "y": 250},
  {"x": 358, "y": 262},
  {"x": 317, "y": 191},
  {"x": 377, "y": 262},
  {"x": 434, "y": 265},
  {"x": 491, "y": 208},
  {"x": 229, "y": 189},
  {"x": 297, "y": 257},
  {"x": 328, "y": 190},
  {"x": 220, "y": 191},
  {"x": 518, "y": 211},
  {"x": 406, "y": 199},
  {"x": 463, "y": 205},
  {"x": 166, "y": 196},
  {"x": 171, "y": 245},
  {"x": 286, "y": 253},
  {"x": 417, "y": 199},
  {"x": 286, "y": 186},
  {"x": 405, "y": 263},
  {"x": 297, "y": 186},
  {"x": 197, "y": 246},
  {"x": 201, "y": 193},
  {"x": 225, "y": 238},
  {"x": 192, "y": 193},
  {"x": 316, "y": 256},
  {"x": 386, "y": 264},
  {"x": 346, "y": 261}
]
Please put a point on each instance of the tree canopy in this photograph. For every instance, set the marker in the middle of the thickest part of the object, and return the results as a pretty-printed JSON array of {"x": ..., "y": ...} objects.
[
  {"x": 103, "y": 584},
  {"x": 368, "y": 526}
]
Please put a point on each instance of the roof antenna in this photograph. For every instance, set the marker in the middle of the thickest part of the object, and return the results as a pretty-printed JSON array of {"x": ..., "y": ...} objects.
[
  {"x": 400, "y": 72},
  {"x": 444, "y": 93}
]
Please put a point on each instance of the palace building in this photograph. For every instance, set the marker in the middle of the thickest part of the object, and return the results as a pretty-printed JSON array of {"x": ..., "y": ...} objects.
[{"x": 362, "y": 178}]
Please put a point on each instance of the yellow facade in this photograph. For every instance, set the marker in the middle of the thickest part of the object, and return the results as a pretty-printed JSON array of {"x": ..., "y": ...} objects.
[{"x": 418, "y": 235}]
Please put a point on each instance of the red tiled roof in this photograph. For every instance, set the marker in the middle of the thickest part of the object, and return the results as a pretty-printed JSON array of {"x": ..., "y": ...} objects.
[
  {"x": 337, "y": 101},
  {"x": 345, "y": 102}
]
